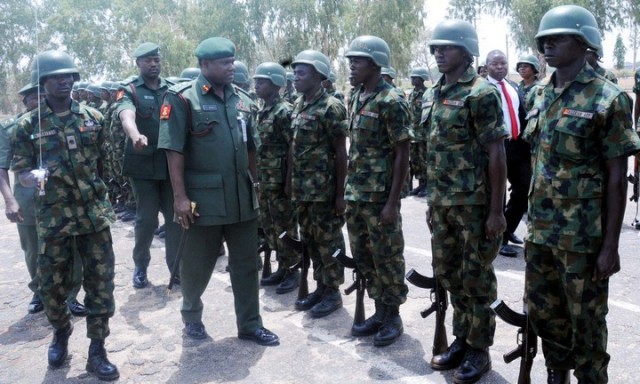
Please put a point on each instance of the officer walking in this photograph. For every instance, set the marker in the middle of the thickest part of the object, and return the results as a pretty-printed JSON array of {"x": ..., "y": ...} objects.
[
  {"x": 466, "y": 181},
  {"x": 380, "y": 133},
  {"x": 211, "y": 156},
  {"x": 59, "y": 150},
  {"x": 581, "y": 135}
]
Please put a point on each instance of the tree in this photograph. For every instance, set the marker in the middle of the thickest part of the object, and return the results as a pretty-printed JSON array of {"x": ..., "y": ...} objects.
[{"x": 619, "y": 52}]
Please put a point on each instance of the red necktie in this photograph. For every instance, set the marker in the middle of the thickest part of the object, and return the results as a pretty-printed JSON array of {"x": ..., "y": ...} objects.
[{"x": 512, "y": 113}]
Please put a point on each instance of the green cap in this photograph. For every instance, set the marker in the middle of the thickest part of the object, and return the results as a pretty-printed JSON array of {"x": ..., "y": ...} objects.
[
  {"x": 215, "y": 48},
  {"x": 146, "y": 49}
]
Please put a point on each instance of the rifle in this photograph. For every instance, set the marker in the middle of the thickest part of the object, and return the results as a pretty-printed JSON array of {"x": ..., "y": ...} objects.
[
  {"x": 303, "y": 264},
  {"x": 635, "y": 180},
  {"x": 176, "y": 263},
  {"x": 439, "y": 304},
  {"x": 359, "y": 284},
  {"x": 527, "y": 341},
  {"x": 264, "y": 247}
]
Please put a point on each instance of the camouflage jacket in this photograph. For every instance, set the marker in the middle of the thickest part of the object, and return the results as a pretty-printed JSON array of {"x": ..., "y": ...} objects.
[
  {"x": 525, "y": 90},
  {"x": 316, "y": 123},
  {"x": 572, "y": 134},
  {"x": 75, "y": 201},
  {"x": 415, "y": 107},
  {"x": 607, "y": 74},
  {"x": 377, "y": 124},
  {"x": 460, "y": 119},
  {"x": 275, "y": 134}
]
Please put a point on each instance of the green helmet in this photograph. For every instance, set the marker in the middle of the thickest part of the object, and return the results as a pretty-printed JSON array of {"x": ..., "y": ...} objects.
[
  {"x": 531, "y": 60},
  {"x": 332, "y": 77},
  {"x": 190, "y": 73},
  {"x": 318, "y": 60},
  {"x": 569, "y": 20},
  {"x": 32, "y": 86},
  {"x": 105, "y": 86},
  {"x": 459, "y": 33},
  {"x": 53, "y": 62},
  {"x": 389, "y": 71},
  {"x": 420, "y": 72},
  {"x": 272, "y": 71},
  {"x": 94, "y": 89},
  {"x": 241, "y": 75},
  {"x": 82, "y": 86},
  {"x": 290, "y": 76},
  {"x": 372, "y": 47}
]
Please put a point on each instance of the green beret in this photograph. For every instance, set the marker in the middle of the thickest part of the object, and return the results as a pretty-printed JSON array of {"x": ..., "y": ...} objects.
[
  {"x": 146, "y": 49},
  {"x": 215, "y": 48}
]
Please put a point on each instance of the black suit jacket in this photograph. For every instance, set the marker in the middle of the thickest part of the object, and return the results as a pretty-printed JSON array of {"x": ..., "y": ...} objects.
[{"x": 517, "y": 150}]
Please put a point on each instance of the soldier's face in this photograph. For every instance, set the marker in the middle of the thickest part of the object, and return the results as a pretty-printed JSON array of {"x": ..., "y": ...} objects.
[
  {"x": 58, "y": 86},
  {"x": 32, "y": 100},
  {"x": 417, "y": 81},
  {"x": 526, "y": 71},
  {"x": 562, "y": 51},
  {"x": 265, "y": 89},
  {"x": 497, "y": 66},
  {"x": 305, "y": 78},
  {"x": 219, "y": 71},
  {"x": 449, "y": 57},
  {"x": 149, "y": 66},
  {"x": 362, "y": 70}
]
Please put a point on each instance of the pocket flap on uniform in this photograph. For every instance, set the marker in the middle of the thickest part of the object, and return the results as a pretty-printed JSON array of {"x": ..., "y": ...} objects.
[{"x": 203, "y": 180}]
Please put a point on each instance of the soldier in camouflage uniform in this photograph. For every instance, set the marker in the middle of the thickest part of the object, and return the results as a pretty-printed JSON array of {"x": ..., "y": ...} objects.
[
  {"x": 581, "y": 135},
  {"x": 118, "y": 138},
  {"x": 418, "y": 147},
  {"x": 380, "y": 133},
  {"x": 389, "y": 75},
  {"x": 318, "y": 169},
  {"x": 466, "y": 168},
  {"x": 72, "y": 208},
  {"x": 289, "y": 94},
  {"x": 528, "y": 67},
  {"x": 241, "y": 80},
  {"x": 329, "y": 86},
  {"x": 594, "y": 55},
  {"x": 277, "y": 212}
]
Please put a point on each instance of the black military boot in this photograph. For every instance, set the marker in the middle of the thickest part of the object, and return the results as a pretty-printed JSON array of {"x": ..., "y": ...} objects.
[
  {"x": 372, "y": 325},
  {"x": 58, "y": 348},
  {"x": 558, "y": 376},
  {"x": 330, "y": 302},
  {"x": 391, "y": 327},
  {"x": 275, "y": 278},
  {"x": 475, "y": 364},
  {"x": 452, "y": 357},
  {"x": 311, "y": 299},
  {"x": 289, "y": 282},
  {"x": 98, "y": 364}
]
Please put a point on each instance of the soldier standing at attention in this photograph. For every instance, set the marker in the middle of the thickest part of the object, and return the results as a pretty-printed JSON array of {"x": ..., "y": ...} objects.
[
  {"x": 211, "y": 157},
  {"x": 72, "y": 208},
  {"x": 276, "y": 209},
  {"x": 318, "y": 168},
  {"x": 139, "y": 103},
  {"x": 581, "y": 135},
  {"x": 380, "y": 133},
  {"x": 329, "y": 86},
  {"x": 389, "y": 75},
  {"x": 594, "y": 55},
  {"x": 466, "y": 170},
  {"x": 418, "y": 145},
  {"x": 289, "y": 94},
  {"x": 528, "y": 67}
]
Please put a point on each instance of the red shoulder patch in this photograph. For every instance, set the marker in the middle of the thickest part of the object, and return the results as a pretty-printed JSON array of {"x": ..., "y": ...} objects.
[
  {"x": 165, "y": 112},
  {"x": 120, "y": 94}
]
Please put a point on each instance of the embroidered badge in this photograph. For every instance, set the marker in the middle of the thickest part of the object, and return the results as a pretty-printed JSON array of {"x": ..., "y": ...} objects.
[
  {"x": 580, "y": 114},
  {"x": 206, "y": 88},
  {"x": 71, "y": 142},
  {"x": 149, "y": 97},
  {"x": 50, "y": 132},
  {"x": 453, "y": 103},
  {"x": 369, "y": 114},
  {"x": 307, "y": 116},
  {"x": 165, "y": 112},
  {"x": 89, "y": 125},
  {"x": 209, "y": 107}
]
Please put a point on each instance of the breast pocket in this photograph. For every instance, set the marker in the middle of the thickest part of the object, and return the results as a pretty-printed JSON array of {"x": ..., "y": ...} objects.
[
  {"x": 307, "y": 131},
  {"x": 205, "y": 124},
  {"x": 572, "y": 139}
]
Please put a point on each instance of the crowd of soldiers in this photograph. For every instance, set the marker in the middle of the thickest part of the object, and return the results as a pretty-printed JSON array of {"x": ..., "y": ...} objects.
[{"x": 225, "y": 164}]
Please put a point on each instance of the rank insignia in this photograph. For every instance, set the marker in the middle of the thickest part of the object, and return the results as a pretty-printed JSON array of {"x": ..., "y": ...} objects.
[
  {"x": 206, "y": 88},
  {"x": 165, "y": 112}
]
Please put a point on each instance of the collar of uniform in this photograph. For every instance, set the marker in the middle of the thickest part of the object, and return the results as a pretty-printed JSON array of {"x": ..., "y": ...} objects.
[
  {"x": 204, "y": 86},
  {"x": 276, "y": 100},
  {"x": 139, "y": 81},
  {"x": 586, "y": 75},
  {"x": 316, "y": 97}
]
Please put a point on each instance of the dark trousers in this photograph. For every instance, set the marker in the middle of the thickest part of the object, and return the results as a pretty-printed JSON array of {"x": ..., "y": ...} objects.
[{"x": 519, "y": 176}]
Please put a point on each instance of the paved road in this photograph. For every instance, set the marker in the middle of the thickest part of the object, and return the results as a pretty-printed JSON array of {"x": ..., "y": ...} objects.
[{"x": 148, "y": 347}]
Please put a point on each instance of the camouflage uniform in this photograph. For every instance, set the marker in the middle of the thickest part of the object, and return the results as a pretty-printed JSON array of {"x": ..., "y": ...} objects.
[
  {"x": 73, "y": 212},
  {"x": 525, "y": 90},
  {"x": 316, "y": 123},
  {"x": 377, "y": 125},
  {"x": 418, "y": 147},
  {"x": 459, "y": 120},
  {"x": 572, "y": 134},
  {"x": 277, "y": 212},
  {"x": 118, "y": 139},
  {"x": 607, "y": 74}
]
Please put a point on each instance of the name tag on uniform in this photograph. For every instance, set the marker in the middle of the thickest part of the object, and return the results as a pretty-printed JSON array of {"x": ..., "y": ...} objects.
[
  {"x": 209, "y": 107},
  {"x": 307, "y": 116},
  {"x": 89, "y": 125},
  {"x": 369, "y": 114},
  {"x": 580, "y": 114},
  {"x": 453, "y": 103},
  {"x": 149, "y": 97},
  {"x": 38, "y": 135},
  {"x": 71, "y": 142}
]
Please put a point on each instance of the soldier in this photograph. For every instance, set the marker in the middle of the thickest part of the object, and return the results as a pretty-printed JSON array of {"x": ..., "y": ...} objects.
[
  {"x": 581, "y": 136},
  {"x": 93, "y": 96},
  {"x": 329, "y": 86},
  {"x": 317, "y": 172},
  {"x": 466, "y": 178},
  {"x": 211, "y": 157},
  {"x": 594, "y": 55},
  {"x": 528, "y": 67},
  {"x": 139, "y": 103},
  {"x": 380, "y": 133},
  {"x": 289, "y": 94},
  {"x": 241, "y": 79},
  {"x": 418, "y": 146},
  {"x": 82, "y": 92},
  {"x": 59, "y": 149},
  {"x": 389, "y": 75},
  {"x": 276, "y": 210},
  {"x": 482, "y": 70}
]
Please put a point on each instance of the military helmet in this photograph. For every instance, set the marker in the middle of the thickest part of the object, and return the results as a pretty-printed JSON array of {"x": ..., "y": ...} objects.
[
  {"x": 241, "y": 75},
  {"x": 332, "y": 77},
  {"x": 531, "y": 60},
  {"x": 32, "y": 86},
  {"x": 569, "y": 20},
  {"x": 459, "y": 33},
  {"x": 272, "y": 71},
  {"x": 290, "y": 76},
  {"x": 106, "y": 85},
  {"x": 318, "y": 60},
  {"x": 389, "y": 71},
  {"x": 190, "y": 73},
  {"x": 53, "y": 62},
  {"x": 94, "y": 89},
  {"x": 420, "y": 72},
  {"x": 372, "y": 47}
]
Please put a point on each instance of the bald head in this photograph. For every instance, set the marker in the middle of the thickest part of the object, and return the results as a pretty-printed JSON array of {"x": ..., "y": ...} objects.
[{"x": 497, "y": 64}]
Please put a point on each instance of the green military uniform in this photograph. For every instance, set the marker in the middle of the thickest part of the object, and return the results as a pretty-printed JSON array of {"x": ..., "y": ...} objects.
[
  {"x": 118, "y": 141},
  {"x": 316, "y": 123},
  {"x": 214, "y": 138},
  {"x": 460, "y": 119},
  {"x": 418, "y": 146},
  {"x": 525, "y": 90},
  {"x": 147, "y": 169},
  {"x": 573, "y": 132},
  {"x": 607, "y": 74}
]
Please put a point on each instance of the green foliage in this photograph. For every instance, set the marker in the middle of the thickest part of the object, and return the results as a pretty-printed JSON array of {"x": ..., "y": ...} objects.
[{"x": 619, "y": 52}]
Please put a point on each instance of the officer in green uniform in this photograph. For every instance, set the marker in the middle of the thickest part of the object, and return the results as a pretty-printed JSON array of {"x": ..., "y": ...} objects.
[
  {"x": 528, "y": 67},
  {"x": 59, "y": 150},
  {"x": 146, "y": 165},
  {"x": 466, "y": 181},
  {"x": 380, "y": 133},
  {"x": 211, "y": 157},
  {"x": 318, "y": 170},
  {"x": 418, "y": 146},
  {"x": 276, "y": 210},
  {"x": 581, "y": 135}
]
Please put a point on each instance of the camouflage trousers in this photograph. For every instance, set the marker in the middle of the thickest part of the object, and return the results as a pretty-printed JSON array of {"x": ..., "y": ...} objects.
[
  {"x": 462, "y": 258},
  {"x": 378, "y": 251},
  {"x": 568, "y": 311},
  {"x": 277, "y": 214},
  {"x": 321, "y": 233},
  {"x": 417, "y": 157},
  {"x": 55, "y": 271}
]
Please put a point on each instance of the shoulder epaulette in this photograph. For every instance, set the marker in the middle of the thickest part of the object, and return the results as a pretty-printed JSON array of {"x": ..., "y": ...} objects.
[{"x": 181, "y": 87}]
